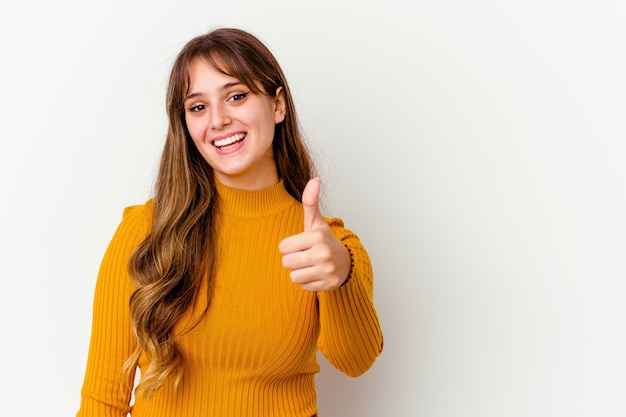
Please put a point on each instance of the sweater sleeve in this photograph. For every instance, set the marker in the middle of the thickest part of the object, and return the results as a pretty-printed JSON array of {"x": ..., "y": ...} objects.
[
  {"x": 111, "y": 337},
  {"x": 350, "y": 334}
]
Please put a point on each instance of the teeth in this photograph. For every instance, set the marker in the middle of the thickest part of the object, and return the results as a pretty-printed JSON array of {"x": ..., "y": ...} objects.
[{"x": 229, "y": 140}]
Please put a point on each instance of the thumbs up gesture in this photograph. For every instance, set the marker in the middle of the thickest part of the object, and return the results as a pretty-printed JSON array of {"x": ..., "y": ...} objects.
[{"x": 317, "y": 259}]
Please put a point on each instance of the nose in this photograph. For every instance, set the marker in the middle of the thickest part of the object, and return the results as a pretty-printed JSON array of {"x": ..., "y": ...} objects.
[{"x": 218, "y": 116}]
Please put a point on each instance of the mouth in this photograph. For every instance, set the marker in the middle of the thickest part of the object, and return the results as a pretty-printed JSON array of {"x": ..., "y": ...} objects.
[{"x": 233, "y": 140}]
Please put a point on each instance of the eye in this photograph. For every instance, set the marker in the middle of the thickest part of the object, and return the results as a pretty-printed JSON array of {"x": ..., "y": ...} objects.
[
  {"x": 238, "y": 96},
  {"x": 196, "y": 108}
]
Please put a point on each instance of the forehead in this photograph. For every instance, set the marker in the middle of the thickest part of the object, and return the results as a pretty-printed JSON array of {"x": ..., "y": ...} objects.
[
  {"x": 202, "y": 74},
  {"x": 200, "y": 66},
  {"x": 209, "y": 71}
]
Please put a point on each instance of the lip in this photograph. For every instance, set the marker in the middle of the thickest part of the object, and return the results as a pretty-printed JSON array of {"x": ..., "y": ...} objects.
[
  {"x": 231, "y": 148},
  {"x": 226, "y": 135}
]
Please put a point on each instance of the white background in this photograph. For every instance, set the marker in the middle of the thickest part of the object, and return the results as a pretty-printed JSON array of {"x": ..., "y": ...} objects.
[{"x": 477, "y": 148}]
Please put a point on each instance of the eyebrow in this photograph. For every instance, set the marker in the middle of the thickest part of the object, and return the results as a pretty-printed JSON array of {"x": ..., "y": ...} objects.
[{"x": 221, "y": 88}]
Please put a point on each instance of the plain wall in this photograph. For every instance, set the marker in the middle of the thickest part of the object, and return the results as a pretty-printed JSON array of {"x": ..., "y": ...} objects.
[{"x": 477, "y": 148}]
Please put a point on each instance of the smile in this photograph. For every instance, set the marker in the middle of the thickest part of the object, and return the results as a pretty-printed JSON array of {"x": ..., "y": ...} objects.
[{"x": 220, "y": 143}]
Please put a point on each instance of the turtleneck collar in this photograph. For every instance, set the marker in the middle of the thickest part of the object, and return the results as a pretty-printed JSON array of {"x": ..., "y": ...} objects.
[{"x": 253, "y": 203}]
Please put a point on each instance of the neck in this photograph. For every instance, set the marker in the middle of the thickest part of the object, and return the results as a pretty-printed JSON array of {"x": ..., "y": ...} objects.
[
  {"x": 250, "y": 181},
  {"x": 253, "y": 203}
]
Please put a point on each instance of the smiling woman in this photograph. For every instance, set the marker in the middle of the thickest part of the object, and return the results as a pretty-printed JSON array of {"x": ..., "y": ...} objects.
[
  {"x": 232, "y": 127},
  {"x": 222, "y": 287}
]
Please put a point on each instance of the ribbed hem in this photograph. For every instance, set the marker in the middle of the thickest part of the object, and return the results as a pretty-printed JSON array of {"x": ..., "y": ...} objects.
[{"x": 254, "y": 203}]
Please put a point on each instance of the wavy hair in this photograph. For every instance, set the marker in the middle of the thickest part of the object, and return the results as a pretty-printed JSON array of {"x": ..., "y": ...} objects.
[{"x": 179, "y": 251}]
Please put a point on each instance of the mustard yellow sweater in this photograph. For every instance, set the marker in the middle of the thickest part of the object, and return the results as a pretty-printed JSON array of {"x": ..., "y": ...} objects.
[{"x": 254, "y": 354}]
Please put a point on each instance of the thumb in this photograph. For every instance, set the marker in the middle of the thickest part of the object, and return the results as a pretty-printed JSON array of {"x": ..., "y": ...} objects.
[{"x": 310, "y": 202}]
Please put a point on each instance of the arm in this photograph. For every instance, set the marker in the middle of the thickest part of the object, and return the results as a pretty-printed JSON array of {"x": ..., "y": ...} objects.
[
  {"x": 350, "y": 334},
  {"x": 111, "y": 337},
  {"x": 329, "y": 259}
]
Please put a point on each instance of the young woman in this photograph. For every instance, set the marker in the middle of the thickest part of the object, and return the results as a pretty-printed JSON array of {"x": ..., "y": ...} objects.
[{"x": 222, "y": 287}]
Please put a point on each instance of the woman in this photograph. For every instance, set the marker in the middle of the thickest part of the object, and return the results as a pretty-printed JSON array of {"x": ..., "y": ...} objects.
[{"x": 222, "y": 287}]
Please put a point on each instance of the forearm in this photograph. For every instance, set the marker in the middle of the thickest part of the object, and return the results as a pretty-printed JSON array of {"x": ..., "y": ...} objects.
[{"x": 350, "y": 333}]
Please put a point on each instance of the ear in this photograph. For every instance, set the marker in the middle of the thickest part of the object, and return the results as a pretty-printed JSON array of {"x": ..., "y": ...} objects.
[{"x": 279, "y": 106}]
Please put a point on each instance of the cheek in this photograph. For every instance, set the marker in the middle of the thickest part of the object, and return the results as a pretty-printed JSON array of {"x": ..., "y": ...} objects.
[
  {"x": 196, "y": 130},
  {"x": 268, "y": 122}
]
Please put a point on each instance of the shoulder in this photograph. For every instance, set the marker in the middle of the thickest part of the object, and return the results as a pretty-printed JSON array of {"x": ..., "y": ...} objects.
[
  {"x": 131, "y": 230},
  {"x": 339, "y": 230},
  {"x": 139, "y": 210},
  {"x": 138, "y": 218},
  {"x": 347, "y": 237}
]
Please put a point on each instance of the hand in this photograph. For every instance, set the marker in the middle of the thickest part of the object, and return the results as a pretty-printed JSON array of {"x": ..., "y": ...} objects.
[{"x": 317, "y": 259}]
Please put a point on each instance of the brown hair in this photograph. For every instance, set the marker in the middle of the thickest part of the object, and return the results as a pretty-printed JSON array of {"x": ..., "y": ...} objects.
[{"x": 179, "y": 251}]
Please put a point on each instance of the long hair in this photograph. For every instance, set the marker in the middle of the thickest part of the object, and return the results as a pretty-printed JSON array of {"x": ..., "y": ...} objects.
[{"x": 179, "y": 251}]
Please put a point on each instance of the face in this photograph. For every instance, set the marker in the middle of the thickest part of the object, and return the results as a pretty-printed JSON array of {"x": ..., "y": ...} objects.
[{"x": 232, "y": 127}]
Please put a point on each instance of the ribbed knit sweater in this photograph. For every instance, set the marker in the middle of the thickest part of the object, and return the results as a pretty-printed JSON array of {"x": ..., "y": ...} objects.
[{"x": 254, "y": 353}]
